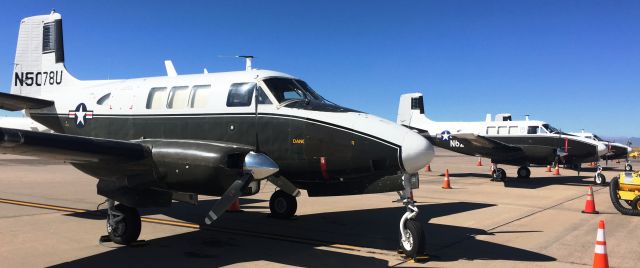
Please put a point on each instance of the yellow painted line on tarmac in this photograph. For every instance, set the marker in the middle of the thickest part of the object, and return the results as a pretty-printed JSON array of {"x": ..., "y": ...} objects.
[
  {"x": 171, "y": 222},
  {"x": 37, "y": 205},
  {"x": 212, "y": 228}
]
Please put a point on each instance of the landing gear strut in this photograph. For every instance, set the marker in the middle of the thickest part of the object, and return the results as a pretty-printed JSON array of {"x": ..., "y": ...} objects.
[
  {"x": 599, "y": 178},
  {"x": 411, "y": 232},
  {"x": 123, "y": 223},
  {"x": 628, "y": 166},
  {"x": 497, "y": 174},
  {"x": 282, "y": 205}
]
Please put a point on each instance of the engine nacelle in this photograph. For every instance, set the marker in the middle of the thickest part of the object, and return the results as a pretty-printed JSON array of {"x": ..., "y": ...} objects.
[{"x": 202, "y": 167}]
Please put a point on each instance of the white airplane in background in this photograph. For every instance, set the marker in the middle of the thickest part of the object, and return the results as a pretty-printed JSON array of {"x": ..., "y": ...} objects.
[
  {"x": 503, "y": 140},
  {"x": 614, "y": 150},
  {"x": 152, "y": 140}
]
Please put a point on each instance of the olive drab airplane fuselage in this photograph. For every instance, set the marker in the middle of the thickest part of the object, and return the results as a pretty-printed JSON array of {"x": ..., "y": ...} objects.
[{"x": 317, "y": 145}]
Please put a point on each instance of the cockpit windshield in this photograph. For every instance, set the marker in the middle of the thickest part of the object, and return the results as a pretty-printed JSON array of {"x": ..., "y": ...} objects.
[
  {"x": 551, "y": 129},
  {"x": 289, "y": 90},
  {"x": 597, "y": 138}
]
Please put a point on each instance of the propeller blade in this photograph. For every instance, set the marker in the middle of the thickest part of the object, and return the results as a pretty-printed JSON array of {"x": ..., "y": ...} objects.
[
  {"x": 257, "y": 166},
  {"x": 231, "y": 195},
  {"x": 284, "y": 185}
]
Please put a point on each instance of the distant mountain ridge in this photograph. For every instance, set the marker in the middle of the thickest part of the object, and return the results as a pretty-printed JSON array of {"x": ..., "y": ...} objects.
[{"x": 635, "y": 141}]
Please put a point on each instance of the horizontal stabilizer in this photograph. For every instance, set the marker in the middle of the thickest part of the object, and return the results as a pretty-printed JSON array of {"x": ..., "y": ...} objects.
[{"x": 12, "y": 102}]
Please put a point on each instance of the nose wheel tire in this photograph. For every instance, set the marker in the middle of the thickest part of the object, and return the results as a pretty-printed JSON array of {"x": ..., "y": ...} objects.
[
  {"x": 126, "y": 229},
  {"x": 600, "y": 179},
  {"x": 524, "y": 173},
  {"x": 282, "y": 205},
  {"x": 499, "y": 175},
  {"x": 628, "y": 167},
  {"x": 413, "y": 243}
]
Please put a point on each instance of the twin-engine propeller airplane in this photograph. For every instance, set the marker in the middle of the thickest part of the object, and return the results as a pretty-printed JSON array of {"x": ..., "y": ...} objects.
[
  {"x": 504, "y": 141},
  {"x": 614, "y": 150},
  {"x": 152, "y": 140}
]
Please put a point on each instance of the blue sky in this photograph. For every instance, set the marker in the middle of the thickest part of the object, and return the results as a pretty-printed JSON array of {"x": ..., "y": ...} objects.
[{"x": 575, "y": 64}]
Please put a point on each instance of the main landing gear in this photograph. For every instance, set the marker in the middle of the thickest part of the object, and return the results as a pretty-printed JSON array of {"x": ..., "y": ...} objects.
[
  {"x": 123, "y": 223},
  {"x": 497, "y": 174},
  {"x": 411, "y": 232},
  {"x": 524, "y": 172},
  {"x": 599, "y": 178}
]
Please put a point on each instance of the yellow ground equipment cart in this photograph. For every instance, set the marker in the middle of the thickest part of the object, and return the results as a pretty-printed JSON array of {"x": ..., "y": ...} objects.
[{"x": 624, "y": 191}]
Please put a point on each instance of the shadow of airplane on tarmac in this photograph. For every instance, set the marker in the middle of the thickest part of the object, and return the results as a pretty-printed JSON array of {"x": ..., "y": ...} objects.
[
  {"x": 368, "y": 228},
  {"x": 533, "y": 182}
]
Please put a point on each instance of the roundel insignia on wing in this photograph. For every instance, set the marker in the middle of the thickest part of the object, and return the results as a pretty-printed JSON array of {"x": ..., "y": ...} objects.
[
  {"x": 81, "y": 114},
  {"x": 445, "y": 135}
]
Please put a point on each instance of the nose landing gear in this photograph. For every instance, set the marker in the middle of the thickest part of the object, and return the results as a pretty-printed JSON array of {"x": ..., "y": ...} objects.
[
  {"x": 411, "y": 232},
  {"x": 599, "y": 178}
]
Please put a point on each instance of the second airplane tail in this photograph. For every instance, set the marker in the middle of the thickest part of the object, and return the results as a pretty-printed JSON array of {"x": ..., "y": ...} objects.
[{"x": 411, "y": 107}]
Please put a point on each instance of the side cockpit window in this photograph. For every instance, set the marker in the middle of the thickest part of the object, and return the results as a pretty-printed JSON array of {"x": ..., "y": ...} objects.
[{"x": 240, "y": 94}]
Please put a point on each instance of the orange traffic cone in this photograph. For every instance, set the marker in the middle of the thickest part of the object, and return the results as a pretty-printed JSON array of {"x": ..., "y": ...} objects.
[
  {"x": 600, "y": 258},
  {"x": 445, "y": 183},
  {"x": 557, "y": 170},
  {"x": 479, "y": 163},
  {"x": 590, "y": 204},
  {"x": 235, "y": 207},
  {"x": 427, "y": 168},
  {"x": 548, "y": 168}
]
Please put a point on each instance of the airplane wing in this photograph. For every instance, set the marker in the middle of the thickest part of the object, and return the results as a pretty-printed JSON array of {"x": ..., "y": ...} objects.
[
  {"x": 74, "y": 149},
  {"x": 12, "y": 102}
]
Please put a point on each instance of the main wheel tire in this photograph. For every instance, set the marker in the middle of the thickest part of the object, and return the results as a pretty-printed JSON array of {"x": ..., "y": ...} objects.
[
  {"x": 524, "y": 173},
  {"x": 127, "y": 230},
  {"x": 628, "y": 167},
  {"x": 282, "y": 205},
  {"x": 499, "y": 175},
  {"x": 414, "y": 240},
  {"x": 600, "y": 179}
]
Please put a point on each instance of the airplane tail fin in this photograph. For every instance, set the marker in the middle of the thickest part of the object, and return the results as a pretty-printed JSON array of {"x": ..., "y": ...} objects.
[
  {"x": 411, "y": 106},
  {"x": 39, "y": 63}
]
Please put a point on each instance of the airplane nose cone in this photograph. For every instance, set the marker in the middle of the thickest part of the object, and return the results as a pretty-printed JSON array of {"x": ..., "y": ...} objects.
[
  {"x": 417, "y": 152},
  {"x": 602, "y": 149}
]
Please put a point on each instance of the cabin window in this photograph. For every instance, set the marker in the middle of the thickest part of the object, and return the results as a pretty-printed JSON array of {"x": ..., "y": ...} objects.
[
  {"x": 157, "y": 98},
  {"x": 532, "y": 130},
  {"x": 491, "y": 131},
  {"x": 240, "y": 94},
  {"x": 513, "y": 130},
  {"x": 200, "y": 96},
  {"x": 102, "y": 100},
  {"x": 178, "y": 97},
  {"x": 502, "y": 130}
]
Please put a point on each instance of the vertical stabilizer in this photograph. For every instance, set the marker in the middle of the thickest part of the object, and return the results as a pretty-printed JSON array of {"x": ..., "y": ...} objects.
[
  {"x": 411, "y": 106},
  {"x": 39, "y": 61}
]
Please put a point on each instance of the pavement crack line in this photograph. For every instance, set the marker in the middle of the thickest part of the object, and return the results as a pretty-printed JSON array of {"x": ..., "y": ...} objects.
[{"x": 512, "y": 221}]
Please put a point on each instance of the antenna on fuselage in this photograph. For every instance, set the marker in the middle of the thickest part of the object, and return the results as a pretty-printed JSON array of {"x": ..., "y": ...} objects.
[
  {"x": 526, "y": 117},
  {"x": 248, "y": 60}
]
